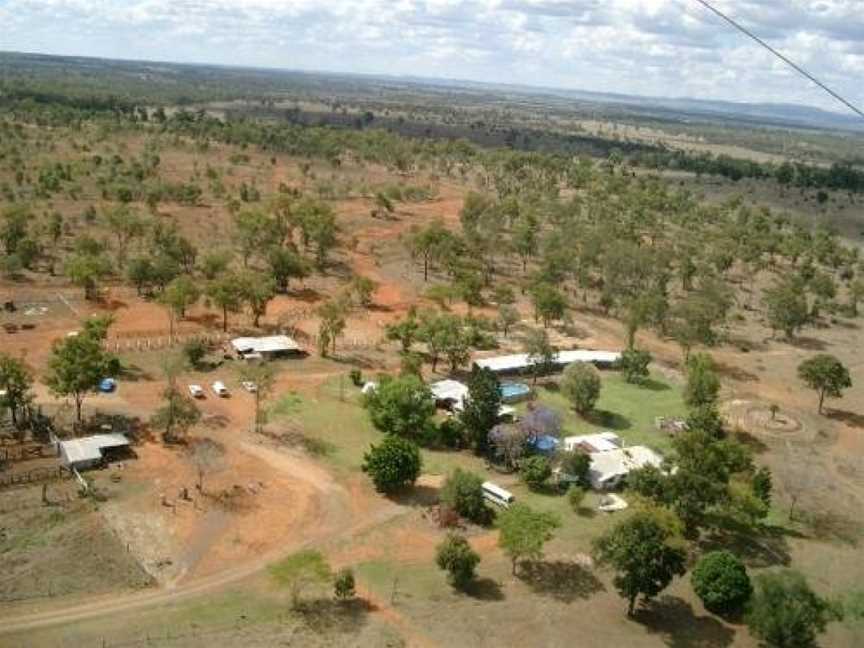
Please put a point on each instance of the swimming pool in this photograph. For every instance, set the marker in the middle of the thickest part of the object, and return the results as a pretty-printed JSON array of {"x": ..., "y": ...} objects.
[{"x": 511, "y": 392}]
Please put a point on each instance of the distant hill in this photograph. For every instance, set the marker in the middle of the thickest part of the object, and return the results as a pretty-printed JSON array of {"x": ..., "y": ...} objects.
[{"x": 199, "y": 82}]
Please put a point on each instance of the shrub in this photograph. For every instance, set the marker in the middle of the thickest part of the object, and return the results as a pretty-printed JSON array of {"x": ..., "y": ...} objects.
[
  {"x": 634, "y": 365},
  {"x": 581, "y": 386},
  {"x": 535, "y": 471},
  {"x": 456, "y": 556},
  {"x": 393, "y": 463},
  {"x": 784, "y": 611},
  {"x": 720, "y": 580},
  {"x": 356, "y": 377},
  {"x": 577, "y": 465},
  {"x": 344, "y": 585},
  {"x": 463, "y": 492},
  {"x": 575, "y": 497},
  {"x": 403, "y": 406},
  {"x": 195, "y": 352}
]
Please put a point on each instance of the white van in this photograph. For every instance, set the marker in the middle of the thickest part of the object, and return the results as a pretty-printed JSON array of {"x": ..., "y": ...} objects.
[
  {"x": 220, "y": 389},
  {"x": 497, "y": 495}
]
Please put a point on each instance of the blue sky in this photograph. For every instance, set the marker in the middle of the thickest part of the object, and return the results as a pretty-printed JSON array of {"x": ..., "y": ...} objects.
[{"x": 650, "y": 47}]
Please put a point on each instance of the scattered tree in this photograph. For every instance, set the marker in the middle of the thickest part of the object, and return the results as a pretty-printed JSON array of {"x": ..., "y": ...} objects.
[
  {"x": 786, "y": 613},
  {"x": 463, "y": 492},
  {"x": 646, "y": 551},
  {"x": 402, "y": 406},
  {"x": 16, "y": 384},
  {"x": 523, "y": 532},
  {"x": 825, "y": 374},
  {"x": 703, "y": 384},
  {"x": 482, "y": 407},
  {"x": 581, "y": 385},
  {"x": 300, "y": 571},
  {"x": 456, "y": 556},
  {"x": 78, "y": 364}
]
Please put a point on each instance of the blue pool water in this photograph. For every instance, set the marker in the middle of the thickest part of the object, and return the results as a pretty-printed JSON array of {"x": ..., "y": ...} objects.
[{"x": 514, "y": 391}]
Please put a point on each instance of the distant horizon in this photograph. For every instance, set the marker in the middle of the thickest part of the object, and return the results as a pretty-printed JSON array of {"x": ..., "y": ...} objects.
[
  {"x": 647, "y": 48},
  {"x": 538, "y": 88}
]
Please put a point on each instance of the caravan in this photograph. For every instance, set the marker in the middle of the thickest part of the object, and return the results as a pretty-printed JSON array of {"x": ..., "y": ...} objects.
[{"x": 497, "y": 495}]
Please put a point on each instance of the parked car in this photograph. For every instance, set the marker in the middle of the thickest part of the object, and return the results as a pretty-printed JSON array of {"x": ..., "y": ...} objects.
[
  {"x": 249, "y": 386},
  {"x": 220, "y": 389},
  {"x": 197, "y": 391}
]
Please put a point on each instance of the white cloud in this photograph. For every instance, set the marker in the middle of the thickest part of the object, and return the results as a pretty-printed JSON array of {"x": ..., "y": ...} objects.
[{"x": 660, "y": 47}]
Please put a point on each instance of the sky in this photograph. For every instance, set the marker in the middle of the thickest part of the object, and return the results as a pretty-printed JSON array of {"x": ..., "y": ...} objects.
[{"x": 669, "y": 48}]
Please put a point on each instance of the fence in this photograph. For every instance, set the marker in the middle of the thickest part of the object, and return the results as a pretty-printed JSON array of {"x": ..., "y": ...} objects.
[
  {"x": 24, "y": 453},
  {"x": 156, "y": 340},
  {"x": 34, "y": 476},
  {"x": 177, "y": 635}
]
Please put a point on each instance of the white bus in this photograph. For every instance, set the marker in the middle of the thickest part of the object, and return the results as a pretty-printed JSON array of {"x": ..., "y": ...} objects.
[{"x": 497, "y": 495}]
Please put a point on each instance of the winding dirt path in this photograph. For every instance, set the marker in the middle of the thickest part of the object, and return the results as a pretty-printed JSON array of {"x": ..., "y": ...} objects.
[{"x": 332, "y": 502}]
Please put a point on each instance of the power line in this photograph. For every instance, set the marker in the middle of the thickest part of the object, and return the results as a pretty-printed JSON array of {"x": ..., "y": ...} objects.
[{"x": 783, "y": 58}]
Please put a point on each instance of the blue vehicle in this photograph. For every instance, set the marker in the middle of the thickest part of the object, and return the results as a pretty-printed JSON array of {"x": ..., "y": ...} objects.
[{"x": 108, "y": 385}]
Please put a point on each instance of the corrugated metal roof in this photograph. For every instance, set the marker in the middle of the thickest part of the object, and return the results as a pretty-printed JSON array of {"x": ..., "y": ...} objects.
[
  {"x": 90, "y": 448},
  {"x": 612, "y": 464},
  {"x": 602, "y": 442},
  {"x": 268, "y": 344},
  {"x": 523, "y": 360},
  {"x": 449, "y": 390}
]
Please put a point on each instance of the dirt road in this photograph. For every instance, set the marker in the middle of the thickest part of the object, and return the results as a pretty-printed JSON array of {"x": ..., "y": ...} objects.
[{"x": 333, "y": 502}]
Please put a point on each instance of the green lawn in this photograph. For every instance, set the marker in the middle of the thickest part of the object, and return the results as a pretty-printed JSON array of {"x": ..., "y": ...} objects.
[
  {"x": 628, "y": 410},
  {"x": 335, "y": 415}
]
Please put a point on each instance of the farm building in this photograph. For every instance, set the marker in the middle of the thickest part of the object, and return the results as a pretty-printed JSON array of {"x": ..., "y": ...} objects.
[
  {"x": 89, "y": 452},
  {"x": 265, "y": 347},
  {"x": 449, "y": 394},
  {"x": 609, "y": 468},
  {"x": 519, "y": 362}
]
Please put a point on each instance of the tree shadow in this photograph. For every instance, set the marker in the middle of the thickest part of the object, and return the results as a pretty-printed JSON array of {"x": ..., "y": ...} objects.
[
  {"x": 134, "y": 373},
  {"x": 484, "y": 589},
  {"x": 808, "y": 343},
  {"x": 609, "y": 420},
  {"x": 563, "y": 580},
  {"x": 852, "y": 419},
  {"x": 418, "y": 495},
  {"x": 306, "y": 295},
  {"x": 353, "y": 360},
  {"x": 675, "y": 619},
  {"x": 756, "y": 445},
  {"x": 736, "y": 373},
  {"x": 654, "y": 385},
  {"x": 830, "y": 526},
  {"x": 765, "y": 546},
  {"x": 343, "y": 617}
]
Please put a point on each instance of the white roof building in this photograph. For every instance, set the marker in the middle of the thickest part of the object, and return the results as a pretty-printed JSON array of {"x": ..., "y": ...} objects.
[
  {"x": 610, "y": 467},
  {"x": 249, "y": 347},
  {"x": 456, "y": 393},
  {"x": 590, "y": 443},
  {"x": 520, "y": 361},
  {"x": 449, "y": 390},
  {"x": 87, "y": 451}
]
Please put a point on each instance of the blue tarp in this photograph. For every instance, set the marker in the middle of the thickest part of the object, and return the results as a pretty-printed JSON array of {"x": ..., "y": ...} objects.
[{"x": 544, "y": 444}]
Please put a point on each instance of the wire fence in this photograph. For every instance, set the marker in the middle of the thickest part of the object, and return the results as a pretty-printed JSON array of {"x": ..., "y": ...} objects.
[
  {"x": 175, "y": 635},
  {"x": 35, "y": 476}
]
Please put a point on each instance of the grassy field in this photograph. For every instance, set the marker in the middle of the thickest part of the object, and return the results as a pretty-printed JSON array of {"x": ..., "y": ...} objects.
[{"x": 628, "y": 410}]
